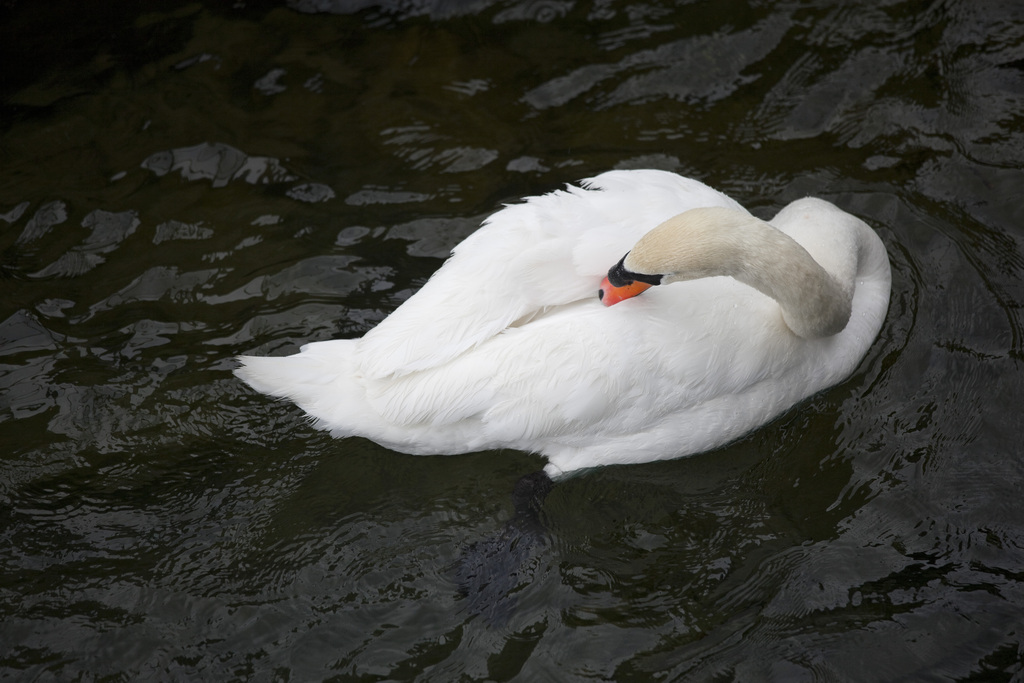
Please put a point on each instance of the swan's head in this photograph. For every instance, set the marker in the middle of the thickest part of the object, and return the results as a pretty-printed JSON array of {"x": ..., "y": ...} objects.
[
  {"x": 696, "y": 243},
  {"x": 715, "y": 241},
  {"x": 622, "y": 284}
]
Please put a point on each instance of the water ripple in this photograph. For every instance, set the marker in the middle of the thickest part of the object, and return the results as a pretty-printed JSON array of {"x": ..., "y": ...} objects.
[{"x": 184, "y": 185}]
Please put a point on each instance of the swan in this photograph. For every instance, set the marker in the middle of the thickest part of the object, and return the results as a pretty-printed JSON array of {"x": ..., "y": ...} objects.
[{"x": 638, "y": 317}]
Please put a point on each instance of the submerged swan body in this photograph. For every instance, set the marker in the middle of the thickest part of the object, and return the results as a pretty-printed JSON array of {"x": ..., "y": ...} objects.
[{"x": 509, "y": 346}]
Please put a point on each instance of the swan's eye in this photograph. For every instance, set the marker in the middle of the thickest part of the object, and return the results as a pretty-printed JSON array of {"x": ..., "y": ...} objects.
[
  {"x": 620, "y": 276},
  {"x": 617, "y": 274}
]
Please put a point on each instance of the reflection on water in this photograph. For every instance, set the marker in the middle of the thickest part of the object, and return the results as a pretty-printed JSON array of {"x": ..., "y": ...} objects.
[{"x": 185, "y": 183}]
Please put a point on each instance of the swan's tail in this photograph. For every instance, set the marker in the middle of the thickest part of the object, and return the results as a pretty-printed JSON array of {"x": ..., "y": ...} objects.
[
  {"x": 289, "y": 377},
  {"x": 321, "y": 380}
]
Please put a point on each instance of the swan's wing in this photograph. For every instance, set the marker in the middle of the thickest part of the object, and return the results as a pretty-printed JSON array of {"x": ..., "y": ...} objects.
[
  {"x": 548, "y": 251},
  {"x": 587, "y": 372}
]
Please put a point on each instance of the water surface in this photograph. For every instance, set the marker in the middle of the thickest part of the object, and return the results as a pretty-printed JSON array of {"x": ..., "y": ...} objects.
[{"x": 181, "y": 184}]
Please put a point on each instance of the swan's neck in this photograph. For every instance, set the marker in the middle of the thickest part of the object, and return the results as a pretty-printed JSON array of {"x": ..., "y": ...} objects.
[{"x": 715, "y": 241}]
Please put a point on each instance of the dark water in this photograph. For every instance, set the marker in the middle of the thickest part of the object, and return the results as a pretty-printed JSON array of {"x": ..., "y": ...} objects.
[{"x": 183, "y": 183}]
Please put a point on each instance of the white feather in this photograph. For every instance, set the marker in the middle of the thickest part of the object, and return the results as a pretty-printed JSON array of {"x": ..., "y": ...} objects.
[{"x": 507, "y": 345}]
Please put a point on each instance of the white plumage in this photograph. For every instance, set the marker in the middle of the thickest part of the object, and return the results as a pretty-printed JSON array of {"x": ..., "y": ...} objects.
[{"x": 508, "y": 346}]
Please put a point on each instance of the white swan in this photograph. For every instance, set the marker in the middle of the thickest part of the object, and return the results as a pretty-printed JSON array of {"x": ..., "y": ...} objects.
[{"x": 508, "y": 345}]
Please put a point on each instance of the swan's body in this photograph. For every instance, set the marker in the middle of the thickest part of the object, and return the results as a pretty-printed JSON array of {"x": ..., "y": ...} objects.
[{"x": 507, "y": 346}]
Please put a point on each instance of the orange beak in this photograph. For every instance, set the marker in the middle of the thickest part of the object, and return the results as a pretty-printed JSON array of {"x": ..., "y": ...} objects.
[{"x": 610, "y": 295}]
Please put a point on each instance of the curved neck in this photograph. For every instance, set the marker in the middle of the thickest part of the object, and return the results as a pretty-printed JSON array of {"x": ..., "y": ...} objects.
[{"x": 715, "y": 241}]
